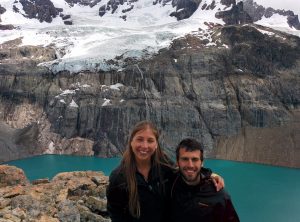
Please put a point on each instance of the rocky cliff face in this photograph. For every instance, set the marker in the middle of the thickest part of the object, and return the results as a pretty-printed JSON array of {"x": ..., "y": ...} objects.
[
  {"x": 236, "y": 15},
  {"x": 256, "y": 12},
  {"x": 216, "y": 86},
  {"x": 43, "y": 10},
  {"x": 74, "y": 196}
]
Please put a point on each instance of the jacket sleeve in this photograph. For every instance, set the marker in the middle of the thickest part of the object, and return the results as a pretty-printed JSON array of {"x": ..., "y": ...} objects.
[
  {"x": 206, "y": 172},
  {"x": 117, "y": 200},
  {"x": 230, "y": 213}
]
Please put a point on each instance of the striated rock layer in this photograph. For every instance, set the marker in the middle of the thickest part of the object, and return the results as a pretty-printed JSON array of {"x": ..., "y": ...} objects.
[
  {"x": 236, "y": 88},
  {"x": 73, "y": 196}
]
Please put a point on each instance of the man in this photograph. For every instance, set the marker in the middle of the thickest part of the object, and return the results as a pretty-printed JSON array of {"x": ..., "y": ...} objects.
[{"x": 193, "y": 194}]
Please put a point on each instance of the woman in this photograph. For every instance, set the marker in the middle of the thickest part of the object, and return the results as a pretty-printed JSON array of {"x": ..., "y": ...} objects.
[{"x": 137, "y": 188}]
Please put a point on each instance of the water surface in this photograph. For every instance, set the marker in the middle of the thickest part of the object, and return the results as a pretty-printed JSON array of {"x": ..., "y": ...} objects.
[{"x": 260, "y": 193}]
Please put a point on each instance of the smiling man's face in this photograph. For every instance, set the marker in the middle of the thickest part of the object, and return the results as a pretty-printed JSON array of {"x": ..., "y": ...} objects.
[{"x": 189, "y": 163}]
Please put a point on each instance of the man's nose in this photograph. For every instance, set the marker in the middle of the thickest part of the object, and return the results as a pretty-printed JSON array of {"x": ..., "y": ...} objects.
[{"x": 190, "y": 163}]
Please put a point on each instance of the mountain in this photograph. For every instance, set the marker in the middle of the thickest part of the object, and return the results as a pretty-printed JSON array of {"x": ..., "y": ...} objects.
[
  {"x": 88, "y": 34},
  {"x": 77, "y": 74}
]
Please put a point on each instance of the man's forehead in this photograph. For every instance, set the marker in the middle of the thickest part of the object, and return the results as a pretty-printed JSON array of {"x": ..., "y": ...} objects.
[{"x": 184, "y": 151}]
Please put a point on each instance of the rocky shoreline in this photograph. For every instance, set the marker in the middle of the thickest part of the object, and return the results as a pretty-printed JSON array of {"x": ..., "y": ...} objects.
[{"x": 68, "y": 197}]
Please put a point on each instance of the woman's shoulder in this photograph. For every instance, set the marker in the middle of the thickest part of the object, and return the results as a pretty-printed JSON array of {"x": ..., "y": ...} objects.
[
  {"x": 167, "y": 171},
  {"x": 117, "y": 176}
]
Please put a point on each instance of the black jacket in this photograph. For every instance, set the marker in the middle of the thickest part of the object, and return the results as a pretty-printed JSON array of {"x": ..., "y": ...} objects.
[
  {"x": 200, "y": 202},
  {"x": 152, "y": 196}
]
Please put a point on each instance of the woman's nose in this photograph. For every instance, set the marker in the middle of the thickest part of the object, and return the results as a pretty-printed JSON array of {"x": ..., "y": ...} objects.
[{"x": 144, "y": 144}]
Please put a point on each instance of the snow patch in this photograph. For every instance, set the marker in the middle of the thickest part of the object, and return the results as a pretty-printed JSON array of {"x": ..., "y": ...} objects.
[
  {"x": 51, "y": 148},
  {"x": 92, "y": 40},
  {"x": 215, "y": 105},
  {"x": 106, "y": 102},
  {"x": 66, "y": 92},
  {"x": 116, "y": 86},
  {"x": 73, "y": 104},
  {"x": 62, "y": 101}
]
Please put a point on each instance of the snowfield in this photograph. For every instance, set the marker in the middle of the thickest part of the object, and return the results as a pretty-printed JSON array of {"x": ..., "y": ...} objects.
[{"x": 93, "y": 40}]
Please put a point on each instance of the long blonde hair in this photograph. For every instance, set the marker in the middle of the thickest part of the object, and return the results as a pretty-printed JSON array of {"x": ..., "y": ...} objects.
[{"x": 129, "y": 166}]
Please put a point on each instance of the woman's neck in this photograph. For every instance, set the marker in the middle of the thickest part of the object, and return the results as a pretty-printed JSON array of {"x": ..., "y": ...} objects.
[{"x": 144, "y": 168}]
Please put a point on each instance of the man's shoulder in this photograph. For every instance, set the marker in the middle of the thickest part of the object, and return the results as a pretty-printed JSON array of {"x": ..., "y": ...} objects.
[{"x": 208, "y": 188}]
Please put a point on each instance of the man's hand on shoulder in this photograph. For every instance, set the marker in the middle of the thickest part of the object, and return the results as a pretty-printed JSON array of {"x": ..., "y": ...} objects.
[{"x": 218, "y": 181}]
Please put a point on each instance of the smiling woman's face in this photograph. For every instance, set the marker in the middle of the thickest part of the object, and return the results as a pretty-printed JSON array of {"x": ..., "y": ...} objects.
[{"x": 143, "y": 145}]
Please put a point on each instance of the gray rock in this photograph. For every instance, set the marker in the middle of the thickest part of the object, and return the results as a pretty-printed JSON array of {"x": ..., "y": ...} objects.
[
  {"x": 52, "y": 201},
  {"x": 4, "y": 202},
  {"x": 67, "y": 211},
  {"x": 87, "y": 215},
  {"x": 236, "y": 15},
  {"x": 96, "y": 204},
  {"x": 256, "y": 12},
  {"x": 249, "y": 79},
  {"x": 42, "y": 10},
  {"x": 11, "y": 175}
]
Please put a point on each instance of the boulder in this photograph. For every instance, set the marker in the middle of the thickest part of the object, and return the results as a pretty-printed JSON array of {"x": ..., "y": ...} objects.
[
  {"x": 72, "y": 196},
  {"x": 11, "y": 176}
]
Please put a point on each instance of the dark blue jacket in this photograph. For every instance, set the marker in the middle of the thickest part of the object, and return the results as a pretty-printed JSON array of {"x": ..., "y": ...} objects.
[
  {"x": 200, "y": 202},
  {"x": 152, "y": 196}
]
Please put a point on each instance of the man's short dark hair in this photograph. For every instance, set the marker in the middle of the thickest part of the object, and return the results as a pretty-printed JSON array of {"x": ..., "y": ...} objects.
[{"x": 189, "y": 144}]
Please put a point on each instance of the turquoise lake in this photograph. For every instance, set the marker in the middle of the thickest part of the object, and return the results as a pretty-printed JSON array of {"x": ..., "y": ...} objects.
[{"x": 260, "y": 193}]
